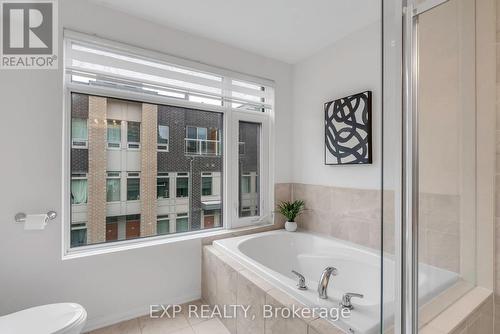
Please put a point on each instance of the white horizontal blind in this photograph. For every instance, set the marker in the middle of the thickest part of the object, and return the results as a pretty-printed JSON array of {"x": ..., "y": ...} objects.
[{"x": 102, "y": 64}]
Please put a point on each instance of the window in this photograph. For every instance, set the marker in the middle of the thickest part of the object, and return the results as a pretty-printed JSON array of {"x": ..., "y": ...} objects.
[
  {"x": 202, "y": 141},
  {"x": 162, "y": 186},
  {"x": 163, "y": 225},
  {"x": 195, "y": 104},
  {"x": 249, "y": 165},
  {"x": 163, "y": 136},
  {"x": 78, "y": 234},
  {"x": 79, "y": 189},
  {"x": 79, "y": 133},
  {"x": 182, "y": 185},
  {"x": 206, "y": 184},
  {"x": 114, "y": 133},
  {"x": 113, "y": 187},
  {"x": 245, "y": 184},
  {"x": 211, "y": 218},
  {"x": 182, "y": 223},
  {"x": 123, "y": 227},
  {"x": 133, "y": 134},
  {"x": 133, "y": 186}
]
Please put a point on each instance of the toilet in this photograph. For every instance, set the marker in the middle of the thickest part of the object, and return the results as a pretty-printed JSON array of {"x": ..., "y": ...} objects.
[{"x": 61, "y": 318}]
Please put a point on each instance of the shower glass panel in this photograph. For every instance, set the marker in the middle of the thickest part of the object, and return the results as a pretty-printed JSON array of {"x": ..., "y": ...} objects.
[{"x": 445, "y": 106}]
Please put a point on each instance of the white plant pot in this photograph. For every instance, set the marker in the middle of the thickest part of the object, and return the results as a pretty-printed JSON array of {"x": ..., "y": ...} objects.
[{"x": 291, "y": 226}]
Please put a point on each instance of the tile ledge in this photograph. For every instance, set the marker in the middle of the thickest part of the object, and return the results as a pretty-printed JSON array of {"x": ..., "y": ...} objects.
[{"x": 451, "y": 318}]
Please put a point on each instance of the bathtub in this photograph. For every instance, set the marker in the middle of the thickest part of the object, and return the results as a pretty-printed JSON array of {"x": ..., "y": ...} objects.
[{"x": 273, "y": 255}]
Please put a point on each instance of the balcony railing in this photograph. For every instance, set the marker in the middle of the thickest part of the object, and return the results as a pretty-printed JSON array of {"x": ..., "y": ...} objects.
[{"x": 202, "y": 147}]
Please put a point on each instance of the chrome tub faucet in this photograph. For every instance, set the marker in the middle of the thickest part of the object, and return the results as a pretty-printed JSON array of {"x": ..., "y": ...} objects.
[{"x": 324, "y": 280}]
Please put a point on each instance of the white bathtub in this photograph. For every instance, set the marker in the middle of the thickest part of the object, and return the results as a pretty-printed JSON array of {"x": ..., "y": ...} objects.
[{"x": 273, "y": 255}]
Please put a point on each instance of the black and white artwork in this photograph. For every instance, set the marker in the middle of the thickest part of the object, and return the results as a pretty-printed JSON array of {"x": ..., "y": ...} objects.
[{"x": 348, "y": 137}]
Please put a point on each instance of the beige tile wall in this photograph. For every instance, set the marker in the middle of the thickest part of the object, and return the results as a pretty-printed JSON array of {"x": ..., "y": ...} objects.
[
  {"x": 463, "y": 317},
  {"x": 355, "y": 215},
  {"x": 225, "y": 281}
]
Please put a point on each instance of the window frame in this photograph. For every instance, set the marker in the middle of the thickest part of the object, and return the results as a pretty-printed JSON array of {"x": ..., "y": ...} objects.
[
  {"x": 228, "y": 139},
  {"x": 79, "y": 176},
  {"x": 82, "y": 140},
  {"x": 133, "y": 145},
  {"x": 119, "y": 143},
  {"x": 133, "y": 176},
  {"x": 115, "y": 177},
  {"x": 167, "y": 145},
  {"x": 182, "y": 175}
]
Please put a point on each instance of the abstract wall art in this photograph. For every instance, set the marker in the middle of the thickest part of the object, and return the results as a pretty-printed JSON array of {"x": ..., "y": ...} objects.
[{"x": 348, "y": 130}]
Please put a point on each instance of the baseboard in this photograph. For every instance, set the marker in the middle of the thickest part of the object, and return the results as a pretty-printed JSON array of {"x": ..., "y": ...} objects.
[{"x": 111, "y": 319}]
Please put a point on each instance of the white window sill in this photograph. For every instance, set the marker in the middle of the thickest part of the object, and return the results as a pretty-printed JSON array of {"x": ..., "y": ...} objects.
[{"x": 118, "y": 246}]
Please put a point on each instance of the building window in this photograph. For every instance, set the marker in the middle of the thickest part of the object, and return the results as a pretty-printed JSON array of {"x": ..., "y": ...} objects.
[
  {"x": 163, "y": 186},
  {"x": 182, "y": 223},
  {"x": 113, "y": 187},
  {"x": 123, "y": 227},
  {"x": 206, "y": 184},
  {"x": 182, "y": 185},
  {"x": 245, "y": 184},
  {"x": 249, "y": 168},
  {"x": 114, "y": 133},
  {"x": 211, "y": 218},
  {"x": 133, "y": 135},
  {"x": 78, "y": 234},
  {"x": 202, "y": 141},
  {"x": 79, "y": 133},
  {"x": 78, "y": 188},
  {"x": 162, "y": 224},
  {"x": 163, "y": 137},
  {"x": 133, "y": 186}
]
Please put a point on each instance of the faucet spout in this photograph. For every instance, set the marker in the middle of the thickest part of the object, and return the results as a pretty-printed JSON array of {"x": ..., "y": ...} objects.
[{"x": 324, "y": 280}]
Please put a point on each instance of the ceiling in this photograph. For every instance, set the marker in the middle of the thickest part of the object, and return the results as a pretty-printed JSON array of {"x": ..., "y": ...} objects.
[{"x": 287, "y": 30}]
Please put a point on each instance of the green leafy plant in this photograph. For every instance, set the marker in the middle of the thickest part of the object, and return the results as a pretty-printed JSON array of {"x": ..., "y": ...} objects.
[{"x": 291, "y": 209}]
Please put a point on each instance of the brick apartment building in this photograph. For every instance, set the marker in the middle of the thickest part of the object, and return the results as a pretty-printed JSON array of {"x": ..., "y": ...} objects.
[{"x": 142, "y": 169}]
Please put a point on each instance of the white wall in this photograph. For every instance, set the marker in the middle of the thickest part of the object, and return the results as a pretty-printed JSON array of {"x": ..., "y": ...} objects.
[
  {"x": 349, "y": 66},
  {"x": 113, "y": 285}
]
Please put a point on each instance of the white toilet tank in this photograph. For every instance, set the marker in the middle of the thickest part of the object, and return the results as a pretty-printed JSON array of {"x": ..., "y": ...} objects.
[{"x": 61, "y": 318}]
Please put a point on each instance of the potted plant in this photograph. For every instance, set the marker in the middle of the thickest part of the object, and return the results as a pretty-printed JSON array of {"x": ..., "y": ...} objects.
[{"x": 290, "y": 210}]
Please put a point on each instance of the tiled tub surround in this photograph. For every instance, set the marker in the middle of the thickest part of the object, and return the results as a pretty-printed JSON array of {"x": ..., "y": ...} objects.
[
  {"x": 354, "y": 215},
  {"x": 358, "y": 268},
  {"x": 227, "y": 282}
]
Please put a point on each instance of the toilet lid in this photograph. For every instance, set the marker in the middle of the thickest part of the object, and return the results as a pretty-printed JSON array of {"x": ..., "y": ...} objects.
[{"x": 45, "y": 319}]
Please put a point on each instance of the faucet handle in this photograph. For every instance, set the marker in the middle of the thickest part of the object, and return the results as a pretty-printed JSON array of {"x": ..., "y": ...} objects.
[
  {"x": 302, "y": 280},
  {"x": 346, "y": 299}
]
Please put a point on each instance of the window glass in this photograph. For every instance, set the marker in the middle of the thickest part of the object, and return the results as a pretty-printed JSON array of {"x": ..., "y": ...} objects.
[
  {"x": 202, "y": 133},
  {"x": 182, "y": 186},
  {"x": 113, "y": 190},
  {"x": 191, "y": 132},
  {"x": 206, "y": 185},
  {"x": 163, "y": 132},
  {"x": 114, "y": 131},
  {"x": 110, "y": 179},
  {"x": 78, "y": 234},
  {"x": 133, "y": 189},
  {"x": 162, "y": 187},
  {"x": 79, "y": 128},
  {"x": 78, "y": 191},
  {"x": 182, "y": 223},
  {"x": 245, "y": 184},
  {"x": 133, "y": 132},
  {"x": 163, "y": 225},
  {"x": 249, "y": 165}
]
